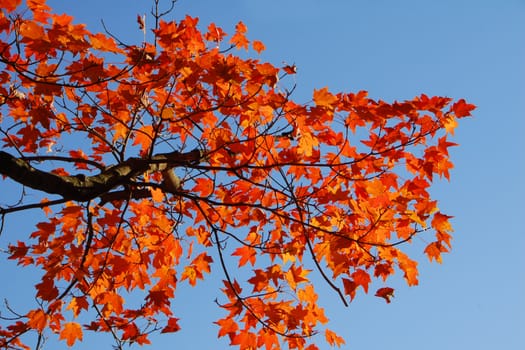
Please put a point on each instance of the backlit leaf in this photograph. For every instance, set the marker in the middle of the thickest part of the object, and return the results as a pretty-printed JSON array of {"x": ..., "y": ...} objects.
[
  {"x": 324, "y": 98},
  {"x": 71, "y": 333}
]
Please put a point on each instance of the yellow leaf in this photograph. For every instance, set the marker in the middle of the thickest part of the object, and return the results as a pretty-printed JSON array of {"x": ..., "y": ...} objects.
[
  {"x": 287, "y": 257},
  {"x": 450, "y": 124}
]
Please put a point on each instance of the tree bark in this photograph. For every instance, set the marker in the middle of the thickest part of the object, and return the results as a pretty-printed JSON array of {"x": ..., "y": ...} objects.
[{"x": 84, "y": 188}]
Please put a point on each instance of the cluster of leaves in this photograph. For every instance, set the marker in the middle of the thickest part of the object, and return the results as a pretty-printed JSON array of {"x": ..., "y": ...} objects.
[{"x": 282, "y": 188}]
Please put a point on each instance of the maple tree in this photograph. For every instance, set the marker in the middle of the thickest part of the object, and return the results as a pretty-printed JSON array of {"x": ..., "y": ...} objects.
[{"x": 157, "y": 163}]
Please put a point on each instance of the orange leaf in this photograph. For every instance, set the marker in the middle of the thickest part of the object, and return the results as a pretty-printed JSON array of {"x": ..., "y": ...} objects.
[
  {"x": 434, "y": 250},
  {"x": 78, "y": 304},
  {"x": 227, "y": 326},
  {"x": 440, "y": 222},
  {"x": 333, "y": 339},
  {"x": 47, "y": 210},
  {"x": 324, "y": 98},
  {"x": 307, "y": 142},
  {"x": 239, "y": 39},
  {"x": 258, "y": 46},
  {"x": 101, "y": 42},
  {"x": 409, "y": 267},
  {"x": 296, "y": 275},
  {"x": 37, "y": 319},
  {"x": 215, "y": 33},
  {"x": 71, "y": 333},
  {"x": 144, "y": 137},
  {"x": 157, "y": 195},
  {"x": 247, "y": 254},
  {"x": 195, "y": 271},
  {"x": 31, "y": 30}
]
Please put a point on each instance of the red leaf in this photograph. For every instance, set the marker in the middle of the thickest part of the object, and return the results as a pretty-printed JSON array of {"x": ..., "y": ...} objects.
[
  {"x": 362, "y": 278},
  {"x": 385, "y": 293},
  {"x": 290, "y": 69},
  {"x": 46, "y": 290},
  {"x": 172, "y": 326},
  {"x": 140, "y": 21},
  {"x": 131, "y": 331},
  {"x": 462, "y": 109}
]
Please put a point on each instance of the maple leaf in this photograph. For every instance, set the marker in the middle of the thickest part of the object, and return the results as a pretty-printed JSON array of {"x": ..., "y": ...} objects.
[
  {"x": 361, "y": 278},
  {"x": 227, "y": 327},
  {"x": 172, "y": 326},
  {"x": 295, "y": 276},
  {"x": 450, "y": 124},
  {"x": 32, "y": 30},
  {"x": 290, "y": 69},
  {"x": 37, "y": 319},
  {"x": 258, "y": 46},
  {"x": 103, "y": 43},
  {"x": 440, "y": 222},
  {"x": 333, "y": 339},
  {"x": 46, "y": 290},
  {"x": 434, "y": 250},
  {"x": 11, "y": 5},
  {"x": 329, "y": 183},
  {"x": 462, "y": 109},
  {"x": 239, "y": 39},
  {"x": 324, "y": 98},
  {"x": 131, "y": 331},
  {"x": 71, "y": 332},
  {"x": 214, "y": 33},
  {"x": 77, "y": 304},
  {"x": 144, "y": 137},
  {"x": 307, "y": 142},
  {"x": 157, "y": 195},
  {"x": 195, "y": 271},
  {"x": 247, "y": 254},
  {"x": 386, "y": 293},
  {"x": 350, "y": 287}
]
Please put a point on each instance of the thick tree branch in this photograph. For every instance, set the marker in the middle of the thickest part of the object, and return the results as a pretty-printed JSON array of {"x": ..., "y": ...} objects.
[{"x": 83, "y": 188}]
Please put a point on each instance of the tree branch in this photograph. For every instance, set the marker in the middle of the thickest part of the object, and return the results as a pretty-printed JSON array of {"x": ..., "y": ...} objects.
[{"x": 84, "y": 188}]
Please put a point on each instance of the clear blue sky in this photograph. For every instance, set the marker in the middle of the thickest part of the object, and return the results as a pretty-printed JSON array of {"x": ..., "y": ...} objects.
[{"x": 472, "y": 49}]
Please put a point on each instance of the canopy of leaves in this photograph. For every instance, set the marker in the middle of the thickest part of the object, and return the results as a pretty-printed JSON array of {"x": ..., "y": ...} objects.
[{"x": 271, "y": 194}]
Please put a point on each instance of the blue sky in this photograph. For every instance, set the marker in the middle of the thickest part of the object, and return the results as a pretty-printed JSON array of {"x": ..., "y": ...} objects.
[{"x": 472, "y": 49}]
